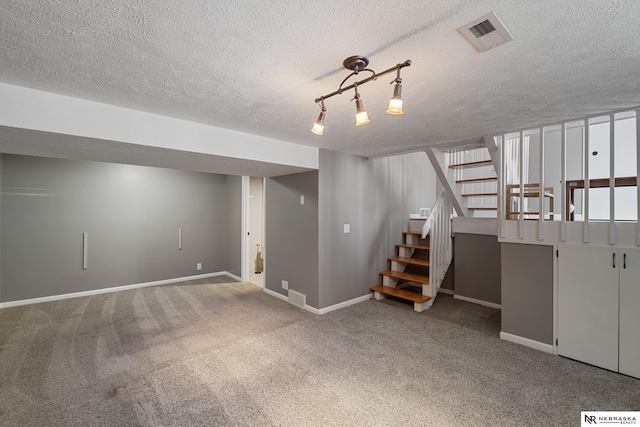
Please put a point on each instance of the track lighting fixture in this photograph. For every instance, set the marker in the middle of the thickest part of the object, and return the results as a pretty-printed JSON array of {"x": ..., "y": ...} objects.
[{"x": 357, "y": 64}]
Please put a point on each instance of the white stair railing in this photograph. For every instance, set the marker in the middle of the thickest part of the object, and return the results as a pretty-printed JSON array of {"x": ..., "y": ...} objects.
[{"x": 438, "y": 225}]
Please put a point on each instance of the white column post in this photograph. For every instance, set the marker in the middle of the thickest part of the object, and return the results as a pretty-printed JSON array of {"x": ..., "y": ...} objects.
[
  {"x": 563, "y": 176},
  {"x": 587, "y": 179},
  {"x": 541, "y": 189},
  {"x": 521, "y": 174},
  {"x": 612, "y": 179}
]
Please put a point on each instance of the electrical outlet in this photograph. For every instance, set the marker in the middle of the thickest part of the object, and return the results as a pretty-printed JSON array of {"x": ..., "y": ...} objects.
[
  {"x": 347, "y": 228},
  {"x": 199, "y": 266},
  {"x": 285, "y": 284}
]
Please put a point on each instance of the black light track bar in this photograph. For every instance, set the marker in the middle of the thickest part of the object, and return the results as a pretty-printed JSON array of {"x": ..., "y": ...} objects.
[{"x": 368, "y": 79}]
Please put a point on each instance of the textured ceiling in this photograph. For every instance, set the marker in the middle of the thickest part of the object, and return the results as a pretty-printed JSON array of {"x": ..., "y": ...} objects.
[{"x": 257, "y": 66}]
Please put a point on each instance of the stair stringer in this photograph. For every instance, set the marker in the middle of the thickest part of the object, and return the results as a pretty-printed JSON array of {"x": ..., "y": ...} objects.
[
  {"x": 492, "y": 148},
  {"x": 452, "y": 191}
]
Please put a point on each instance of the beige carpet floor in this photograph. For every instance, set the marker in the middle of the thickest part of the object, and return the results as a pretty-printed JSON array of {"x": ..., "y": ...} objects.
[{"x": 204, "y": 354}]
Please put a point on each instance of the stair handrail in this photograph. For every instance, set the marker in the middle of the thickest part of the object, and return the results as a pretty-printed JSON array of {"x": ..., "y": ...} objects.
[
  {"x": 441, "y": 246},
  {"x": 428, "y": 223}
]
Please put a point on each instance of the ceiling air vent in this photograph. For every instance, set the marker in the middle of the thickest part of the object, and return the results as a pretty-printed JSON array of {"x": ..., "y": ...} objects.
[{"x": 486, "y": 32}]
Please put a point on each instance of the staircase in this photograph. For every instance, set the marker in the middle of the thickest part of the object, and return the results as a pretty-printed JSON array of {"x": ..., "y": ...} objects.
[
  {"x": 422, "y": 260},
  {"x": 470, "y": 187},
  {"x": 476, "y": 181},
  {"x": 469, "y": 177},
  {"x": 408, "y": 278}
]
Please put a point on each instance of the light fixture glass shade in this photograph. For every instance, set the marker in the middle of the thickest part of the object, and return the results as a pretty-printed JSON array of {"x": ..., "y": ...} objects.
[
  {"x": 395, "y": 103},
  {"x": 318, "y": 126},
  {"x": 318, "y": 129},
  {"x": 362, "y": 118}
]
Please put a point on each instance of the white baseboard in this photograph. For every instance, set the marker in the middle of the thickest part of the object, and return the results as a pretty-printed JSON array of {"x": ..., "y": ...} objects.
[
  {"x": 275, "y": 294},
  {"x": 477, "y": 301},
  {"x": 536, "y": 345},
  {"x": 233, "y": 276},
  {"x": 339, "y": 305},
  {"x": 321, "y": 310},
  {"x": 113, "y": 289},
  {"x": 446, "y": 291}
]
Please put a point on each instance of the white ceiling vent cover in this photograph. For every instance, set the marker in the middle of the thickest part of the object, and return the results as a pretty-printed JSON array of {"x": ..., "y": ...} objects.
[{"x": 486, "y": 32}]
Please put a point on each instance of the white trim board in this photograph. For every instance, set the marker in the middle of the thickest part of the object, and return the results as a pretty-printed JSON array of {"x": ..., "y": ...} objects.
[
  {"x": 339, "y": 305},
  {"x": 473, "y": 225},
  {"x": 233, "y": 276},
  {"x": 477, "y": 301},
  {"x": 322, "y": 310},
  {"x": 536, "y": 345},
  {"x": 275, "y": 294},
  {"x": 113, "y": 289},
  {"x": 446, "y": 291}
]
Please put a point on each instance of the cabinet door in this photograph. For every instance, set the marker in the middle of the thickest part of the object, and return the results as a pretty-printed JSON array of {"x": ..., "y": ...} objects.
[
  {"x": 630, "y": 312},
  {"x": 588, "y": 304}
]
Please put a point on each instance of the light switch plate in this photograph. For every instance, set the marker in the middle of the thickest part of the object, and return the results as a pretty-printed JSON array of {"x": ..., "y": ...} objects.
[
  {"x": 302, "y": 200},
  {"x": 347, "y": 228}
]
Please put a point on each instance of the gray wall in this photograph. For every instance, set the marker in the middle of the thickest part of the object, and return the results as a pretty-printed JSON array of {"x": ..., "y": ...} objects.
[
  {"x": 132, "y": 215},
  {"x": 291, "y": 241},
  {"x": 477, "y": 267},
  {"x": 375, "y": 197},
  {"x": 234, "y": 230},
  {"x": 527, "y": 291}
]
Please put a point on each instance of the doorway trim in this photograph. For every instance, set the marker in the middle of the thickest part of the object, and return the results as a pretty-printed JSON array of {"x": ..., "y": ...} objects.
[
  {"x": 247, "y": 262},
  {"x": 244, "y": 237}
]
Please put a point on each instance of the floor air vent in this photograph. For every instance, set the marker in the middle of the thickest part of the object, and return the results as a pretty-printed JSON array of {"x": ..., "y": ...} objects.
[
  {"x": 297, "y": 299},
  {"x": 486, "y": 32}
]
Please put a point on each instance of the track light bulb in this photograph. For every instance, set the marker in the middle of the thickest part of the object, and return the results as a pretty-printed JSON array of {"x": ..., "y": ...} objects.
[{"x": 395, "y": 103}]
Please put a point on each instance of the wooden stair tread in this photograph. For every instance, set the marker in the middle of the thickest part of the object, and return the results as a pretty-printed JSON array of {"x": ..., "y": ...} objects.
[
  {"x": 486, "y": 178},
  {"x": 482, "y": 208},
  {"x": 408, "y": 246},
  {"x": 471, "y": 164},
  {"x": 413, "y": 261},
  {"x": 406, "y": 276},
  {"x": 401, "y": 293},
  {"x": 412, "y": 233},
  {"x": 479, "y": 194}
]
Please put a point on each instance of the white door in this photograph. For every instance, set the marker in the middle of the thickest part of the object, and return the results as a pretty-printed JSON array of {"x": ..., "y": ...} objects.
[
  {"x": 588, "y": 304},
  {"x": 630, "y": 312}
]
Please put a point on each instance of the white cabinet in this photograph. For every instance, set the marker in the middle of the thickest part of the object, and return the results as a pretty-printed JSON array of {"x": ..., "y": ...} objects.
[
  {"x": 588, "y": 305},
  {"x": 598, "y": 300},
  {"x": 630, "y": 313}
]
